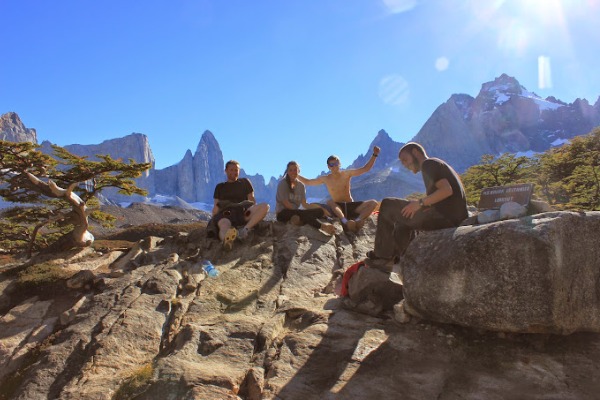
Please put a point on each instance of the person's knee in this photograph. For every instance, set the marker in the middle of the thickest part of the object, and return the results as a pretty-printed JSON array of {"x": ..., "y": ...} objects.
[
  {"x": 372, "y": 204},
  {"x": 259, "y": 209},
  {"x": 264, "y": 208}
]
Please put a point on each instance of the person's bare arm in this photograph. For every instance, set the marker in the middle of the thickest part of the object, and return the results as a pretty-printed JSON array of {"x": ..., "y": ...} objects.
[
  {"x": 215, "y": 209},
  {"x": 367, "y": 167},
  {"x": 311, "y": 182},
  {"x": 251, "y": 197}
]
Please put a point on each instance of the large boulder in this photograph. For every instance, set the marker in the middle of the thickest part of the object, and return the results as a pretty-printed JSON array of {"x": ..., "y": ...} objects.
[{"x": 536, "y": 274}]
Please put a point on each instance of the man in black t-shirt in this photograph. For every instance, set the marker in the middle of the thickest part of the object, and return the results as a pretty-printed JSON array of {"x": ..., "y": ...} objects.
[
  {"x": 234, "y": 206},
  {"x": 444, "y": 206}
]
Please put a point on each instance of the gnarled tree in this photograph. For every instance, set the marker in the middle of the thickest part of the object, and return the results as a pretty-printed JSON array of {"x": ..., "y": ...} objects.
[{"x": 60, "y": 188}]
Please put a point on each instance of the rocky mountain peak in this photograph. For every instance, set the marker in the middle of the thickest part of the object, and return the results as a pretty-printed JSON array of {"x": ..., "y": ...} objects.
[
  {"x": 12, "y": 129},
  {"x": 463, "y": 102},
  {"x": 389, "y": 152},
  {"x": 135, "y": 146},
  {"x": 502, "y": 84},
  {"x": 208, "y": 142}
]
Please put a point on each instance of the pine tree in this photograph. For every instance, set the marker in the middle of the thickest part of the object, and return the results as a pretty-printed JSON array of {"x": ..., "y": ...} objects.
[{"x": 56, "y": 192}]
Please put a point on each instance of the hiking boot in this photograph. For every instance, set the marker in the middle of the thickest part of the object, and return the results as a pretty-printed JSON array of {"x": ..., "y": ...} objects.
[
  {"x": 295, "y": 220},
  {"x": 230, "y": 236},
  {"x": 243, "y": 233},
  {"x": 328, "y": 228}
]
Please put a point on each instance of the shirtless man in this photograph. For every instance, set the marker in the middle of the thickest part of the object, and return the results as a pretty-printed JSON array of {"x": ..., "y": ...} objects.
[{"x": 351, "y": 213}]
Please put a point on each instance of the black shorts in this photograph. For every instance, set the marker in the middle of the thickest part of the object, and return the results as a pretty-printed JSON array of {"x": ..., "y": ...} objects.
[
  {"x": 236, "y": 214},
  {"x": 349, "y": 209}
]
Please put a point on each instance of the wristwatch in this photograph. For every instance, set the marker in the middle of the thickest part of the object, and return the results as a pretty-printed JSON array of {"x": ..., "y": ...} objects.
[{"x": 421, "y": 203}]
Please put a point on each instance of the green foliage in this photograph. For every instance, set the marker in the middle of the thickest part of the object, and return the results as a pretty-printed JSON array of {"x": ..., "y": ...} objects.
[
  {"x": 507, "y": 169},
  {"x": 567, "y": 177},
  {"x": 26, "y": 176},
  {"x": 40, "y": 278}
]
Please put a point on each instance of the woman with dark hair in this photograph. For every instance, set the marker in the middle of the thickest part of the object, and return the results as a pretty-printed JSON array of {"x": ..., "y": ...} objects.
[{"x": 291, "y": 195}]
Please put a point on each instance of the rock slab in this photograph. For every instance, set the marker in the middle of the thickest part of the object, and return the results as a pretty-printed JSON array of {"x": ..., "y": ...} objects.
[{"x": 536, "y": 274}]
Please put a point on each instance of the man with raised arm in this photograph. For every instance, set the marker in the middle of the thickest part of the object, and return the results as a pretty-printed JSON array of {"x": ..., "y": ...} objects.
[
  {"x": 352, "y": 213},
  {"x": 235, "y": 206},
  {"x": 444, "y": 205}
]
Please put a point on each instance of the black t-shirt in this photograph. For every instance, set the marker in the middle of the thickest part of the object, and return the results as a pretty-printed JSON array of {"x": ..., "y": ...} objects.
[
  {"x": 454, "y": 207},
  {"x": 236, "y": 192}
]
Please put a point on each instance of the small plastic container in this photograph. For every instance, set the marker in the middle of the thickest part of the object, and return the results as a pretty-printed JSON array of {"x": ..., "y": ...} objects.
[{"x": 209, "y": 269}]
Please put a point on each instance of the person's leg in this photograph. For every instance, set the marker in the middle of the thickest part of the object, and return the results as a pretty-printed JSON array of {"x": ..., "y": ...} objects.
[
  {"x": 227, "y": 233},
  {"x": 310, "y": 216},
  {"x": 285, "y": 215},
  {"x": 255, "y": 214},
  {"x": 337, "y": 211},
  {"x": 366, "y": 209},
  {"x": 394, "y": 231},
  {"x": 224, "y": 224},
  {"x": 327, "y": 211},
  {"x": 392, "y": 234}
]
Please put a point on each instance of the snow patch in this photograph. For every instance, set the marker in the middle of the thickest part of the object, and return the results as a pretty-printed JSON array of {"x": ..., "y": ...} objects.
[
  {"x": 501, "y": 98},
  {"x": 559, "y": 142},
  {"x": 528, "y": 153},
  {"x": 541, "y": 103}
]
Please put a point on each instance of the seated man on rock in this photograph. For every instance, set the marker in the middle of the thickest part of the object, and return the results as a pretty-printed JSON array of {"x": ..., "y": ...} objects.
[
  {"x": 444, "y": 206},
  {"x": 352, "y": 213},
  {"x": 234, "y": 206}
]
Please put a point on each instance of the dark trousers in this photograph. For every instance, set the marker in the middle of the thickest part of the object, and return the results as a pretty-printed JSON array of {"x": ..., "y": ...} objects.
[
  {"x": 306, "y": 216},
  {"x": 394, "y": 231}
]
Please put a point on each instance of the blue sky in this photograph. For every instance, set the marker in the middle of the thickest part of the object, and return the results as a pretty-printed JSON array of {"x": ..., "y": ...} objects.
[{"x": 278, "y": 80}]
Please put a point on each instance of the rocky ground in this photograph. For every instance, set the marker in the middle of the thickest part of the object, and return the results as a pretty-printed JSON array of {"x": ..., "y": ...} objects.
[
  {"x": 145, "y": 323},
  {"x": 140, "y": 213}
]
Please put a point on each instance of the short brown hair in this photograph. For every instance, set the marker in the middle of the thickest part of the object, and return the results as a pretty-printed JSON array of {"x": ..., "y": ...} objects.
[
  {"x": 410, "y": 146},
  {"x": 332, "y": 157},
  {"x": 231, "y": 162}
]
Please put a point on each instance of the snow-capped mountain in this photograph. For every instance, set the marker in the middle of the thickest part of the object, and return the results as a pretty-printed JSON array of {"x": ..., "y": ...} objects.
[{"x": 504, "y": 117}]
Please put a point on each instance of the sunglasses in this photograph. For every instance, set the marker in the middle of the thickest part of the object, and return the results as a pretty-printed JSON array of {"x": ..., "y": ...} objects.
[{"x": 334, "y": 164}]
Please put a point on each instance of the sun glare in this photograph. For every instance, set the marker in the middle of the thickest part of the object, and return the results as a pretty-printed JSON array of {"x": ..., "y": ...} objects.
[{"x": 524, "y": 25}]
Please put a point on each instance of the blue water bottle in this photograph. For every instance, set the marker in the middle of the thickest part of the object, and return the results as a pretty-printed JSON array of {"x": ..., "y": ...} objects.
[{"x": 209, "y": 269}]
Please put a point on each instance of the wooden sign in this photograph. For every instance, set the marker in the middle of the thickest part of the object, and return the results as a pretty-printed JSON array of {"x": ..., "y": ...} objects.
[{"x": 494, "y": 197}]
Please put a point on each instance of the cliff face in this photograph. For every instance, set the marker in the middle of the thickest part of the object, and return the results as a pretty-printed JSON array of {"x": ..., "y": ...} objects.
[
  {"x": 504, "y": 117},
  {"x": 13, "y": 130},
  {"x": 194, "y": 178},
  {"x": 148, "y": 324}
]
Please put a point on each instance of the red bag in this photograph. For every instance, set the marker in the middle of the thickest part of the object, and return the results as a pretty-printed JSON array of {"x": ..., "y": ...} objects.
[{"x": 348, "y": 274}]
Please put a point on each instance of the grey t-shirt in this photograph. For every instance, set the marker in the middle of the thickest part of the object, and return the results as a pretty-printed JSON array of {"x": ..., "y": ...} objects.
[{"x": 296, "y": 196}]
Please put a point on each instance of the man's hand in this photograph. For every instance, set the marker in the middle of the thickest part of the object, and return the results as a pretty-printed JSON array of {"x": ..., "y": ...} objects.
[
  {"x": 376, "y": 150},
  {"x": 410, "y": 209}
]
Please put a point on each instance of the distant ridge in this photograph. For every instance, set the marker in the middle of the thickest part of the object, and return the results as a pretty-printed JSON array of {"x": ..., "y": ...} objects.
[{"x": 503, "y": 117}]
